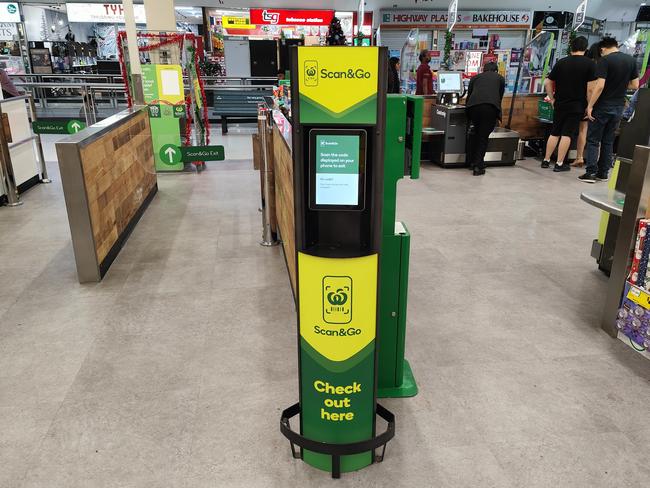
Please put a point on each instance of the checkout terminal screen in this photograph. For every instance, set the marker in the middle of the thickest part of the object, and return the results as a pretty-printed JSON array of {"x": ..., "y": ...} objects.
[
  {"x": 337, "y": 169},
  {"x": 449, "y": 82}
]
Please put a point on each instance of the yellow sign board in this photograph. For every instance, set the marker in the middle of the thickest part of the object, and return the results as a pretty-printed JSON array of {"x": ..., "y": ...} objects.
[
  {"x": 639, "y": 296},
  {"x": 338, "y": 304},
  {"x": 170, "y": 83},
  {"x": 230, "y": 22},
  {"x": 338, "y": 82}
]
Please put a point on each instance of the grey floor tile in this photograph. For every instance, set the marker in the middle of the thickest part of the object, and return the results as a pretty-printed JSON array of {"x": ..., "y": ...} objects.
[{"x": 173, "y": 371}]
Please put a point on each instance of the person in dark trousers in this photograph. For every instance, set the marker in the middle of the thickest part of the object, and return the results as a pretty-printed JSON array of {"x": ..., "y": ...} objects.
[
  {"x": 616, "y": 73},
  {"x": 393, "y": 75},
  {"x": 424, "y": 76},
  {"x": 592, "y": 53},
  {"x": 484, "y": 96},
  {"x": 566, "y": 87}
]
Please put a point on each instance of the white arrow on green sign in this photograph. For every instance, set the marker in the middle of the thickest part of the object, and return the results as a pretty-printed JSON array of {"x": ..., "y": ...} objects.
[
  {"x": 57, "y": 126},
  {"x": 172, "y": 154}
]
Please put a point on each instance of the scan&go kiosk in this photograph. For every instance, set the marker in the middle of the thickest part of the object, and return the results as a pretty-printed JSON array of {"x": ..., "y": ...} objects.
[{"x": 338, "y": 136}]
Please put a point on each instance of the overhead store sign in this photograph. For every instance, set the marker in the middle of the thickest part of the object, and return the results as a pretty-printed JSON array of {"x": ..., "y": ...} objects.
[
  {"x": 8, "y": 31},
  {"x": 106, "y": 13},
  {"x": 9, "y": 12},
  {"x": 465, "y": 19},
  {"x": 270, "y": 16},
  {"x": 230, "y": 22}
]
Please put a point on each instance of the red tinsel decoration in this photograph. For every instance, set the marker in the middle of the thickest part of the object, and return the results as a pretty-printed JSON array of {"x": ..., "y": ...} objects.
[
  {"x": 206, "y": 116},
  {"x": 125, "y": 77},
  {"x": 188, "y": 120}
]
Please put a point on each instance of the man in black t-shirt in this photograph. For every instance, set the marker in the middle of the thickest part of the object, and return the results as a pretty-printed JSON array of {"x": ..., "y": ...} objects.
[
  {"x": 616, "y": 73},
  {"x": 566, "y": 87}
]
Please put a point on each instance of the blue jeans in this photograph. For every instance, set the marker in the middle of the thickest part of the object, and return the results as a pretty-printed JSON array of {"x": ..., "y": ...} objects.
[{"x": 601, "y": 134}]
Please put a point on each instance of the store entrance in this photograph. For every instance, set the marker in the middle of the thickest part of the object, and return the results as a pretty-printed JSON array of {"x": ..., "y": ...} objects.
[{"x": 264, "y": 58}]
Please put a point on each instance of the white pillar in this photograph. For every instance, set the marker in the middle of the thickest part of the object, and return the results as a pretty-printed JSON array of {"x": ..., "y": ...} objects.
[
  {"x": 161, "y": 15},
  {"x": 134, "y": 57}
]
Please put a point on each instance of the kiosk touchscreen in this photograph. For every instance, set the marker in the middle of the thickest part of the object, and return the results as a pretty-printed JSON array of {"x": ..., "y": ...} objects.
[
  {"x": 450, "y": 82},
  {"x": 337, "y": 169}
]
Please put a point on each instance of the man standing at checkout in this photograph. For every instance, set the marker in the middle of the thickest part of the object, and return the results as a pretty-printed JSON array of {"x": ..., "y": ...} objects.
[
  {"x": 484, "y": 96},
  {"x": 424, "y": 76},
  {"x": 566, "y": 87},
  {"x": 616, "y": 72}
]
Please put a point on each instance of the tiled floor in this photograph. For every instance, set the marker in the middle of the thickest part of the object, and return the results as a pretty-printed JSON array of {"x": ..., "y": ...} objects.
[{"x": 173, "y": 371}]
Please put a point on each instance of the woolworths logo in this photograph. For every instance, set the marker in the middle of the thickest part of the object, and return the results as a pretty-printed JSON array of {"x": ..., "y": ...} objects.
[
  {"x": 311, "y": 73},
  {"x": 337, "y": 299}
]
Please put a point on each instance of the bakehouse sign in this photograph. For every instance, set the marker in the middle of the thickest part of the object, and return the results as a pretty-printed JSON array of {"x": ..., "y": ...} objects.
[{"x": 466, "y": 19}]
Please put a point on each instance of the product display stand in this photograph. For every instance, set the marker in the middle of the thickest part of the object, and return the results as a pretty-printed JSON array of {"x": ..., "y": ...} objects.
[
  {"x": 338, "y": 144},
  {"x": 636, "y": 199},
  {"x": 637, "y": 196}
]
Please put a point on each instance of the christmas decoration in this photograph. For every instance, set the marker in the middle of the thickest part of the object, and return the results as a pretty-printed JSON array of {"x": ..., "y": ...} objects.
[
  {"x": 209, "y": 68},
  {"x": 194, "y": 103},
  {"x": 449, "y": 37},
  {"x": 335, "y": 36},
  {"x": 572, "y": 36}
]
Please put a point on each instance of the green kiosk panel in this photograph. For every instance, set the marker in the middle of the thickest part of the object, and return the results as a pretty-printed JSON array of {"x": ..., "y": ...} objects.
[{"x": 338, "y": 109}]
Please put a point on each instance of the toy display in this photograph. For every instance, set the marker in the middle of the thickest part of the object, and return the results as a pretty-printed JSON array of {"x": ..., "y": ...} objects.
[{"x": 633, "y": 318}]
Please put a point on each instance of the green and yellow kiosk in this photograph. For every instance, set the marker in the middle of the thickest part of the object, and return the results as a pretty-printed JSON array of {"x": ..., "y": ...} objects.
[{"x": 338, "y": 105}]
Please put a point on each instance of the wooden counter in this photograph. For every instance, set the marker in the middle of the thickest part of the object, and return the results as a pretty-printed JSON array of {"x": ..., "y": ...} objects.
[
  {"x": 524, "y": 117},
  {"x": 284, "y": 201},
  {"x": 109, "y": 178},
  {"x": 281, "y": 168}
]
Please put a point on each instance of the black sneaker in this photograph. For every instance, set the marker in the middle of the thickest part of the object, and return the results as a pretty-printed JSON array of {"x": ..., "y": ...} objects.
[
  {"x": 565, "y": 167},
  {"x": 478, "y": 172},
  {"x": 601, "y": 177},
  {"x": 546, "y": 164},
  {"x": 587, "y": 178}
]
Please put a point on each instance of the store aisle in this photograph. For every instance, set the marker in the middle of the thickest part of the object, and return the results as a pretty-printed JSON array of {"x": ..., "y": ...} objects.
[{"x": 173, "y": 371}]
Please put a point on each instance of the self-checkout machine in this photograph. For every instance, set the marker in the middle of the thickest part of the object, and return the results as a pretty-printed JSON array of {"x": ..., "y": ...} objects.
[
  {"x": 338, "y": 105},
  {"x": 447, "y": 115},
  {"x": 403, "y": 139}
]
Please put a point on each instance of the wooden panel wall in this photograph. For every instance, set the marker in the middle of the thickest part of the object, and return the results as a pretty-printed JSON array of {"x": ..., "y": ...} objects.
[
  {"x": 283, "y": 166},
  {"x": 524, "y": 116},
  {"x": 119, "y": 173}
]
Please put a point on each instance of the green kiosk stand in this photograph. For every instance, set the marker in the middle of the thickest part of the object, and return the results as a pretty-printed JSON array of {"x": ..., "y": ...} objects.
[
  {"x": 403, "y": 136},
  {"x": 338, "y": 106}
]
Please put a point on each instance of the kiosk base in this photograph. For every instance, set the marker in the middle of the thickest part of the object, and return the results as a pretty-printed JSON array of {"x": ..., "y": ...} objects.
[
  {"x": 337, "y": 450},
  {"x": 408, "y": 387}
]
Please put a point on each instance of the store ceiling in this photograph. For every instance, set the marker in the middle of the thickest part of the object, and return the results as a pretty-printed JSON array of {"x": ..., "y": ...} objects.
[{"x": 613, "y": 10}]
